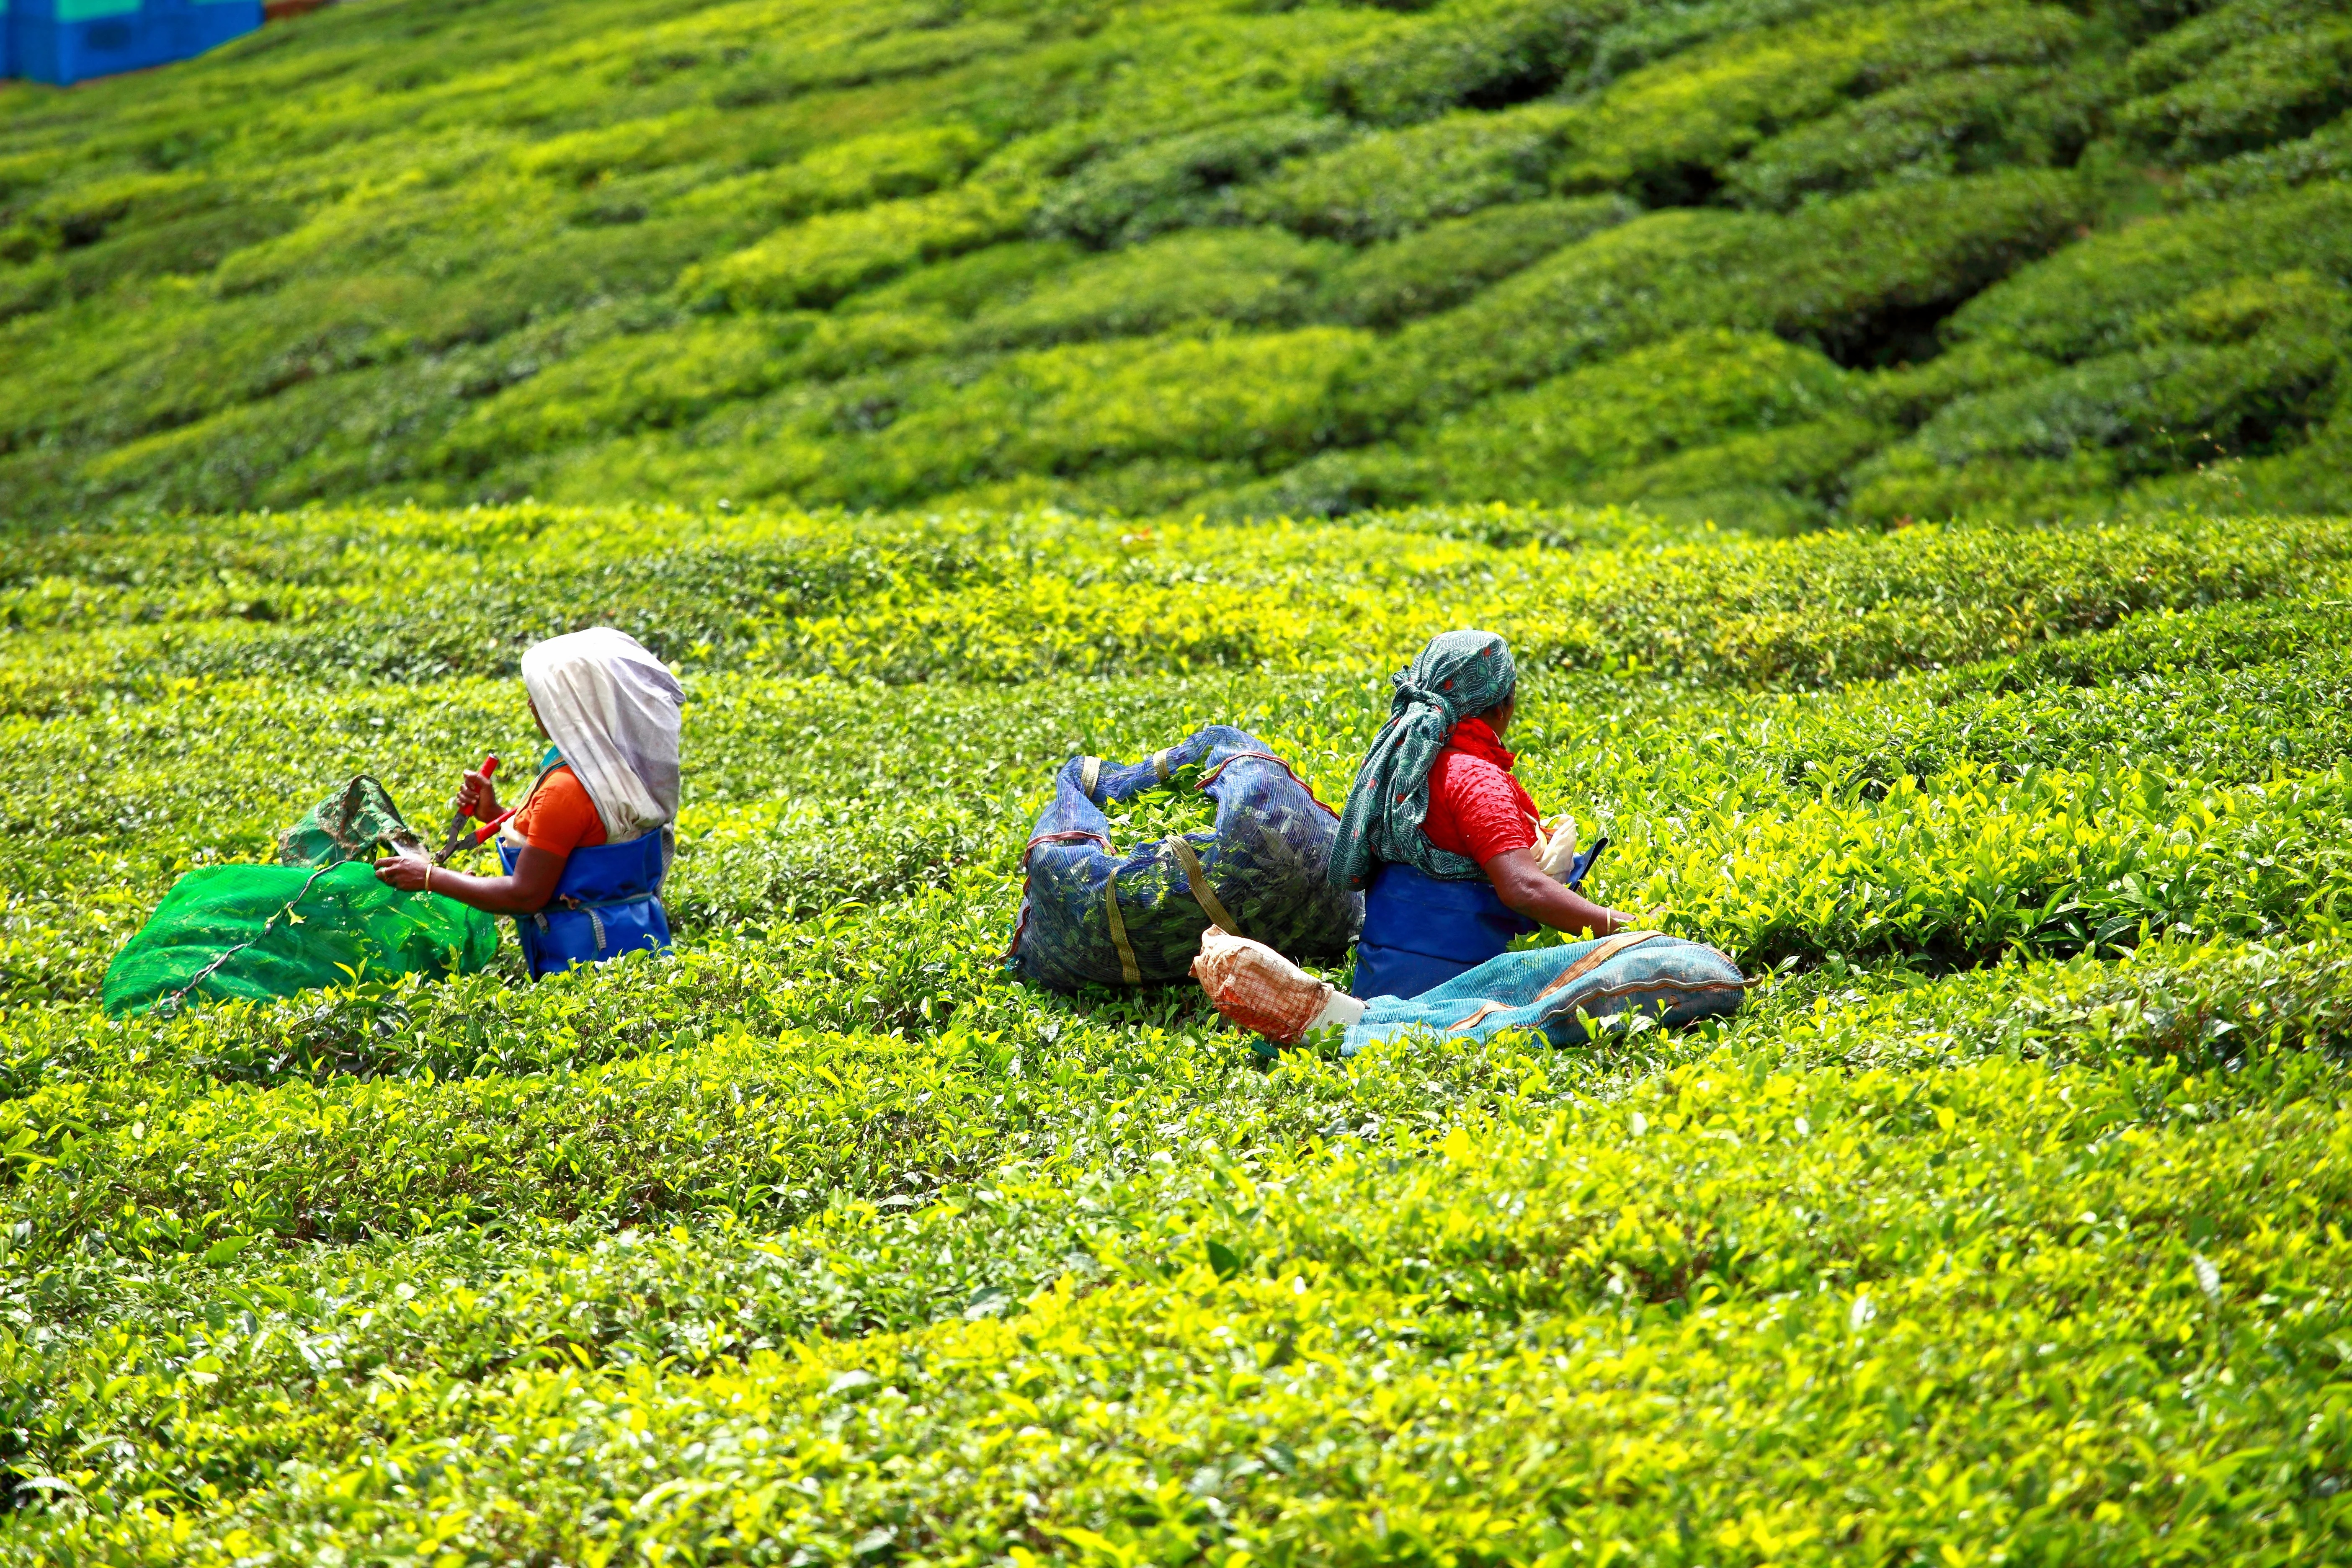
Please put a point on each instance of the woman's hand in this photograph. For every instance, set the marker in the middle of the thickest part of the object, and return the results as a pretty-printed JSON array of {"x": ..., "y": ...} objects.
[
  {"x": 526, "y": 891},
  {"x": 477, "y": 796},
  {"x": 409, "y": 873}
]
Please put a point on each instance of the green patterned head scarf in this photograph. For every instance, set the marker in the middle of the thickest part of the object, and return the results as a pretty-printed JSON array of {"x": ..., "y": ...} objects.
[{"x": 1458, "y": 675}]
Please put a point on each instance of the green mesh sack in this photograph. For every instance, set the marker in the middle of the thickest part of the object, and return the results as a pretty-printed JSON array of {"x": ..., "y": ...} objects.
[
  {"x": 263, "y": 932},
  {"x": 348, "y": 824}
]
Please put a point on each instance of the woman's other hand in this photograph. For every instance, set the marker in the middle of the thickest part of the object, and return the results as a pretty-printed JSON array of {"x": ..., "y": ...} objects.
[
  {"x": 409, "y": 873},
  {"x": 477, "y": 796}
]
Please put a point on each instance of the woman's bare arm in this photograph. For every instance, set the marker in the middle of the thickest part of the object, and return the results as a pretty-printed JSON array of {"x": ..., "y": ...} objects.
[
  {"x": 1520, "y": 883},
  {"x": 524, "y": 892}
]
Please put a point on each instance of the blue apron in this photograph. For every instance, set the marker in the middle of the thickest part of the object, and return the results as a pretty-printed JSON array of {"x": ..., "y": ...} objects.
[
  {"x": 606, "y": 903},
  {"x": 1419, "y": 933}
]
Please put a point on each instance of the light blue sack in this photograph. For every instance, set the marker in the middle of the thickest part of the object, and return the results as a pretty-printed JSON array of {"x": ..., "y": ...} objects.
[{"x": 1674, "y": 981}]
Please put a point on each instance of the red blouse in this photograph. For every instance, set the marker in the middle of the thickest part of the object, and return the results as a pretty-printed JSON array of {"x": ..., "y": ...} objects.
[{"x": 1475, "y": 806}]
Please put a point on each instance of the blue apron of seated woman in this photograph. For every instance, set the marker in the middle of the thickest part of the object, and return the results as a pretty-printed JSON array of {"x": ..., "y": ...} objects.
[
  {"x": 583, "y": 858},
  {"x": 1420, "y": 931},
  {"x": 1432, "y": 914},
  {"x": 606, "y": 903}
]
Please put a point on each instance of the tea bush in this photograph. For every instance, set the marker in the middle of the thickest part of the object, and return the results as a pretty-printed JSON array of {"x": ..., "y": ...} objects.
[
  {"x": 2246, "y": 367},
  {"x": 1548, "y": 443},
  {"x": 1489, "y": 53},
  {"x": 1447, "y": 262},
  {"x": 1248, "y": 276},
  {"x": 1389, "y": 182},
  {"x": 1178, "y": 182},
  {"x": 2241, "y": 76},
  {"x": 1959, "y": 123},
  {"x": 1831, "y": 274},
  {"x": 2319, "y": 156},
  {"x": 379, "y": 254},
  {"x": 2016, "y": 1172},
  {"x": 819, "y": 261}
]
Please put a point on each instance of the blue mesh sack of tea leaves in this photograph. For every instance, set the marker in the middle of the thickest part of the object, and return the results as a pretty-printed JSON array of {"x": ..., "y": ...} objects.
[{"x": 1130, "y": 863}]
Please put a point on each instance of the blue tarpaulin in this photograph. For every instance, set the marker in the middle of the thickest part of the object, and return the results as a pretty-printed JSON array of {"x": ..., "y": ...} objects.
[{"x": 66, "y": 41}]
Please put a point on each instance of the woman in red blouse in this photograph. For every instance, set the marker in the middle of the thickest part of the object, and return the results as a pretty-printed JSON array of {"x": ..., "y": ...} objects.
[{"x": 1439, "y": 834}]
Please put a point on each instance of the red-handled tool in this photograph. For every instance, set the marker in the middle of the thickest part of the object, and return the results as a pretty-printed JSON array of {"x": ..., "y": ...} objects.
[
  {"x": 489, "y": 830},
  {"x": 459, "y": 832}
]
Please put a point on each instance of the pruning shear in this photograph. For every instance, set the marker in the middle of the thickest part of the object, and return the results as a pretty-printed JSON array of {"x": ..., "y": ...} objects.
[{"x": 459, "y": 832}]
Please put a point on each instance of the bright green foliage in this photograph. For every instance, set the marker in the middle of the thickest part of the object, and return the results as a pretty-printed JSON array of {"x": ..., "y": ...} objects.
[
  {"x": 2003, "y": 1218},
  {"x": 1684, "y": 396},
  {"x": 653, "y": 378},
  {"x": 385, "y": 253},
  {"x": 1258, "y": 399},
  {"x": 855, "y": 173}
]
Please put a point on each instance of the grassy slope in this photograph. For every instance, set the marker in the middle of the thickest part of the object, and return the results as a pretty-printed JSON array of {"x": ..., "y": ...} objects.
[
  {"x": 1765, "y": 260},
  {"x": 2004, "y": 1221}
]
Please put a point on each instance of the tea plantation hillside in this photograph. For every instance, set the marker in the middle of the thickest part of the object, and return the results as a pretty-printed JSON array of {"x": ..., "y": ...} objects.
[
  {"x": 2003, "y": 1225},
  {"x": 1766, "y": 262}
]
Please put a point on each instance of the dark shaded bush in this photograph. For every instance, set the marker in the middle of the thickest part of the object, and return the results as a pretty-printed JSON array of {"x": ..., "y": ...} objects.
[
  {"x": 1772, "y": 480},
  {"x": 2325, "y": 155},
  {"x": 2240, "y": 370},
  {"x": 1852, "y": 277},
  {"x": 1958, "y": 122},
  {"x": 1668, "y": 131},
  {"x": 2090, "y": 298},
  {"x": 2259, "y": 90}
]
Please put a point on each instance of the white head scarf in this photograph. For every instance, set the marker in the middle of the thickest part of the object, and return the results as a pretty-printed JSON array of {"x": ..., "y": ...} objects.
[{"x": 612, "y": 708}]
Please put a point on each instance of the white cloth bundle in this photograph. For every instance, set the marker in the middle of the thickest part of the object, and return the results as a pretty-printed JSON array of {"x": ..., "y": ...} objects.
[{"x": 613, "y": 709}]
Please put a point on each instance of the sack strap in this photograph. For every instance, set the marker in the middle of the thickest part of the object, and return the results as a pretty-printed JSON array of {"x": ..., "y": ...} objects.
[
  {"x": 1067, "y": 835},
  {"x": 1127, "y": 967},
  {"x": 1089, "y": 775},
  {"x": 1610, "y": 948},
  {"x": 1198, "y": 879},
  {"x": 566, "y": 901},
  {"x": 1159, "y": 761},
  {"x": 1214, "y": 773}
]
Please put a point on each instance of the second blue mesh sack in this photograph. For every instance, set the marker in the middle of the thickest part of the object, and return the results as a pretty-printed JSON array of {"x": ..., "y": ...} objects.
[{"x": 1093, "y": 912}]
